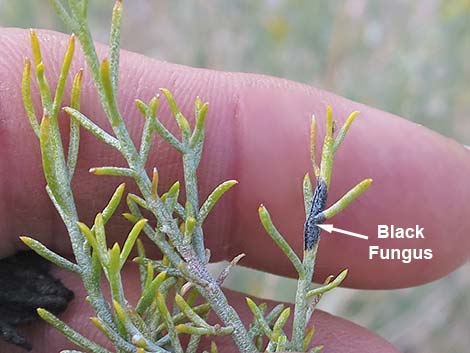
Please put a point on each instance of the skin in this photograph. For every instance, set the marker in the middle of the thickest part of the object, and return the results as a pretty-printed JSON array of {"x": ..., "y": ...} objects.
[{"x": 257, "y": 133}]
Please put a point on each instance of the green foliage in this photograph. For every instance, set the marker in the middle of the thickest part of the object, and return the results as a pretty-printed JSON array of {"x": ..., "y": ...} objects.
[
  {"x": 316, "y": 212},
  {"x": 167, "y": 308}
]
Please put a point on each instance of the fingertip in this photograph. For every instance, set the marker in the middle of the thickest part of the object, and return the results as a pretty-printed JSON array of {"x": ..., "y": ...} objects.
[{"x": 419, "y": 178}]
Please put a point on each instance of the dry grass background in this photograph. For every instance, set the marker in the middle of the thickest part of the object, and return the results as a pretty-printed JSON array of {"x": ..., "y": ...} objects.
[{"x": 406, "y": 57}]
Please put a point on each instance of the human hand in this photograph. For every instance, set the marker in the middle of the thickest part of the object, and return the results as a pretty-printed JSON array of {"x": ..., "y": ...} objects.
[{"x": 257, "y": 133}]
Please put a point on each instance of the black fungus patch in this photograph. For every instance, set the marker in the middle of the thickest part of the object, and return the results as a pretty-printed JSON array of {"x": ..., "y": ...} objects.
[
  {"x": 25, "y": 285},
  {"x": 311, "y": 231}
]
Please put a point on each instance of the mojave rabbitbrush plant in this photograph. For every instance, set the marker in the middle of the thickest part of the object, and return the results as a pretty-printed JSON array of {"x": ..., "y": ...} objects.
[{"x": 177, "y": 292}]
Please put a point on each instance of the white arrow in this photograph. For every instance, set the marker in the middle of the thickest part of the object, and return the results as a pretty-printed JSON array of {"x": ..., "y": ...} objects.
[{"x": 329, "y": 228}]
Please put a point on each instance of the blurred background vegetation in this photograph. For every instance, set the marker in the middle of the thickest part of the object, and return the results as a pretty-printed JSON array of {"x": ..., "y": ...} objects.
[{"x": 410, "y": 58}]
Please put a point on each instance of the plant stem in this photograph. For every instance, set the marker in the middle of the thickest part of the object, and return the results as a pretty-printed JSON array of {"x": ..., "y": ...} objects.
[
  {"x": 301, "y": 303},
  {"x": 311, "y": 231},
  {"x": 196, "y": 260},
  {"x": 211, "y": 291},
  {"x": 216, "y": 298},
  {"x": 190, "y": 182}
]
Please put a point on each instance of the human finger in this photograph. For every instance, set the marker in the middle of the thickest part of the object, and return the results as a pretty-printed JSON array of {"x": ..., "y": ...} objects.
[
  {"x": 257, "y": 132},
  {"x": 336, "y": 334}
]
